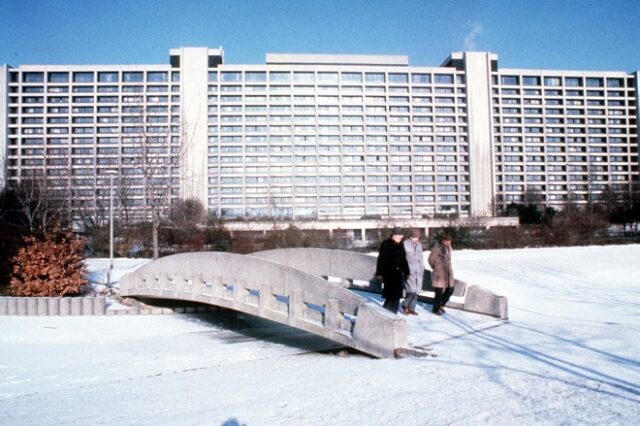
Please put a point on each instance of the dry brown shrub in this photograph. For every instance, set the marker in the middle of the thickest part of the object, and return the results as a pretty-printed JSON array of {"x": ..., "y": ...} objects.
[{"x": 50, "y": 267}]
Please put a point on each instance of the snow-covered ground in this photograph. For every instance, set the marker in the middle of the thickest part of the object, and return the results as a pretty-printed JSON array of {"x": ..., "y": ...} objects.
[{"x": 570, "y": 354}]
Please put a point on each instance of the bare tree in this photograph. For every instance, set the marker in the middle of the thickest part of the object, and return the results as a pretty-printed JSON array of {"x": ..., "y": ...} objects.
[
  {"x": 160, "y": 150},
  {"x": 42, "y": 205}
]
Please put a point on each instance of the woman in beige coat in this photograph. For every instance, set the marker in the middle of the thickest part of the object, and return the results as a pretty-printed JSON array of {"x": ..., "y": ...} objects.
[{"x": 442, "y": 279}]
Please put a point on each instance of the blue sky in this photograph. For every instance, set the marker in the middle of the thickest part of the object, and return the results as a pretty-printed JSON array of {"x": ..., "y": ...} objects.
[{"x": 559, "y": 34}]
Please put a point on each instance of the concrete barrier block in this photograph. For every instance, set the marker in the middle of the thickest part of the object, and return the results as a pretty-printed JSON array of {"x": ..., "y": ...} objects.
[
  {"x": 99, "y": 305},
  {"x": 32, "y": 306},
  {"x": 87, "y": 305},
  {"x": 76, "y": 306},
  {"x": 483, "y": 301},
  {"x": 4, "y": 306},
  {"x": 460, "y": 288},
  {"x": 43, "y": 306},
  {"x": 53, "y": 306},
  {"x": 379, "y": 332},
  {"x": 22, "y": 305},
  {"x": 156, "y": 311},
  {"x": 12, "y": 306},
  {"x": 65, "y": 306},
  {"x": 145, "y": 311}
]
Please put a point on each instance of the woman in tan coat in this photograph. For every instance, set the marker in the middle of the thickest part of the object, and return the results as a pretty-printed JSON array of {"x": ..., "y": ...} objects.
[{"x": 442, "y": 279}]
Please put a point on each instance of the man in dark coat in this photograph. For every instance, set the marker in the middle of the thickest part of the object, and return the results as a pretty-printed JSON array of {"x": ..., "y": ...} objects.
[{"x": 392, "y": 269}]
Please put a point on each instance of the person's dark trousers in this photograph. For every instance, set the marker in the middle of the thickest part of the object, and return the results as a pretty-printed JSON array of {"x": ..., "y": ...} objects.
[
  {"x": 391, "y": 305},
  {"x": 441, "y": 298}
]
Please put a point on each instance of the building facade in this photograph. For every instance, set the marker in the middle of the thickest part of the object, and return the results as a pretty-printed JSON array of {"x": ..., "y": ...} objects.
[{"x": 320, "y": 137}]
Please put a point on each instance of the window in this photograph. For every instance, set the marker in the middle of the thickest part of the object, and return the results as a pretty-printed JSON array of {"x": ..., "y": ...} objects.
[
  {"x": 531, "y": 81},
  {"x": 83, "y": 77},
  {"x": 327, "y": 77},
  {"x": 255, "y": 76},
  {"x": 510, "y": 80},
  {"x": 33, "y": 77},
  {"x": 594, "y": 82},
  {"x": 398, "y": 78},
  {"x": 614, "y": 82},
  {"x": 132, "y": 77},
  {"x": 58, "y": 77},
  {"x": 552, "y": 81},
  {"x": 231, "y": 76},
  {"x": 420, "y": 78},
  {"x": 573, "y": 81},
  {"x": 303, "y": 77},
  {"x": 371, "y": 77},
  {"x": 283, "y": 77},
  {"x": 156, "y": 76},
  {"x": 107, "y": 77},
  {"x": 444, "y": 79}
]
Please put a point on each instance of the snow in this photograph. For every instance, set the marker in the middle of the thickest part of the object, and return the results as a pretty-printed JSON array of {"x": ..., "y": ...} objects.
[{"x": 570, "y": 354}]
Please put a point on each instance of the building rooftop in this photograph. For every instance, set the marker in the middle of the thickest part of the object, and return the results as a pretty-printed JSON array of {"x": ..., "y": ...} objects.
[{"x": 321, "y": 59}]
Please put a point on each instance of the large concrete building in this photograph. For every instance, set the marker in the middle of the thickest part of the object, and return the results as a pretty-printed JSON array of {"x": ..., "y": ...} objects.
[{"x": 319, "y": 136}]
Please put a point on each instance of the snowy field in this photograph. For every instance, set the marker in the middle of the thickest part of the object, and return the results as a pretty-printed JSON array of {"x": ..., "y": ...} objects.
[{"x": 570, "y": 354}]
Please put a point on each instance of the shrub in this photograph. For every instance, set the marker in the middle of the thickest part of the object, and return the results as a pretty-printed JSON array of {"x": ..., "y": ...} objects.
[{"x": 49, "y": 267}]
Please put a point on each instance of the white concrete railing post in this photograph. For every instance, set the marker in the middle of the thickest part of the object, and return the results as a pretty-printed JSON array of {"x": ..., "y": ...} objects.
[{"x": 332, "y": 314}]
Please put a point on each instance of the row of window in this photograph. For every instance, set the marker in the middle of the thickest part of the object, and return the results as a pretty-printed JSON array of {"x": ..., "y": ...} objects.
[
  {"x": 100, "y": 89},
  {"x": 558, "y": 101},
  {"x": 559, "y": 92},
  {"x": 562, "y": 159},
  {"x": 101, "y": 119},
  {"x": 566, "y": 81},
  {"x": 125, "y": 109},
  {"x": 338, "y": 200},
  {"x": 91, "y": 99},
  {"x": 334, "y": 77},
  {"x": 94, "y": 76},
  {"x": 568, "y": 111}
]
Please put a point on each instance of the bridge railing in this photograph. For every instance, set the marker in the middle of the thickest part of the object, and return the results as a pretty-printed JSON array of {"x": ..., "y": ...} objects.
[
  {"x": 356, "y": 271},
  {"x": 272, "y": 291}
]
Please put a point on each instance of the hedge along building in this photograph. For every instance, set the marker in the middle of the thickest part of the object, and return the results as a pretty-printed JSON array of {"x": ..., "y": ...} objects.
[{"x": 325, "y": 137}]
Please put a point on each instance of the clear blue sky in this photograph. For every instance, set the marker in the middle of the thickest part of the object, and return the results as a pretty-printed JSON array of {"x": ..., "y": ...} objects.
[{"x": 557, "y": 34}]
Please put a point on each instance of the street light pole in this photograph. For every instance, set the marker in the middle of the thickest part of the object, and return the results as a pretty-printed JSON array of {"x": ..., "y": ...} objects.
[{"x": 109, "y": 274}]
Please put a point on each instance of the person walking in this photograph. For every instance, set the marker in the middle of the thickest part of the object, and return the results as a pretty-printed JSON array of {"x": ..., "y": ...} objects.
[
  {"x": 413, "y": 282},
  {"x": 442, "y": 279},
  {"x": 392, "y": 269}
]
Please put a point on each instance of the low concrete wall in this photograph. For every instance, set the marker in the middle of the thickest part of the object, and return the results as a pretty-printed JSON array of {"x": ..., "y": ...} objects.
[
  {"x": 52, "y": 306},
  {"x": 273, "y": 291},
  {"x": 356, "y": 271}
]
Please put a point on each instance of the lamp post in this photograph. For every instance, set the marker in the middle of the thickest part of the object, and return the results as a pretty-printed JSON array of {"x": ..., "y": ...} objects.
[{"x": 111, "y": 173}]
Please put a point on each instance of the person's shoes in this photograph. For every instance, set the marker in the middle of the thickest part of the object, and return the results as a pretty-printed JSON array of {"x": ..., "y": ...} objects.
[
  {"x": 438, "y": 313},
  {"x": 442, "y": 311},
  {"x": 405, "y": 310},
  {"x": 413, "y": 313}
]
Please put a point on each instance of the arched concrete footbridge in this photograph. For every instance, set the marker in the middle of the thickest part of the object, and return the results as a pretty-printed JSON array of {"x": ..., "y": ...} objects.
[
  {"x": 273, "y": 291},
  {"x": 356, "y": 271}
]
